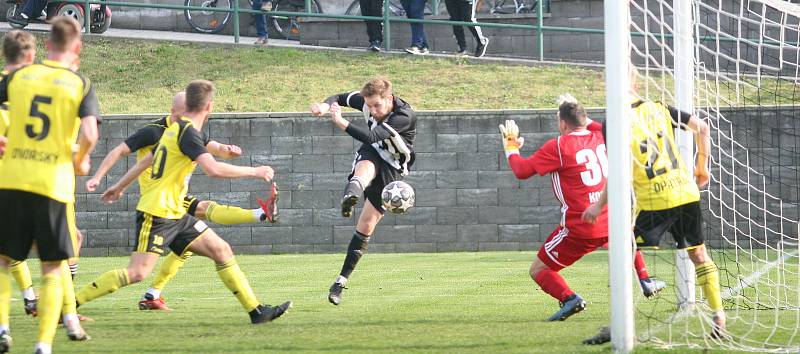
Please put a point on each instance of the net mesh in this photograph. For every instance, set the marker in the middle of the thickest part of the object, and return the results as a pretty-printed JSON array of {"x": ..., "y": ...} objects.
[{"x": 746, "y": 90}]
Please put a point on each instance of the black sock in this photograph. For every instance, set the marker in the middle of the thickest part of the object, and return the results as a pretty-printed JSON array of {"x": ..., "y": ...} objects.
[
  {"x": 354, "y": 187},
  {"x": 356, "y": 248}
]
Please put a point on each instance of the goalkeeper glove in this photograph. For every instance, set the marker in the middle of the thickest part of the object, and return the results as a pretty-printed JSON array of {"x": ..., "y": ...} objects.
[{"x": 511, "y": 140}]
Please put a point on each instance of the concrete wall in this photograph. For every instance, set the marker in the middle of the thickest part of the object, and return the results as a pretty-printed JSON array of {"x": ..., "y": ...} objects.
[{"x": 467, "y": 199}]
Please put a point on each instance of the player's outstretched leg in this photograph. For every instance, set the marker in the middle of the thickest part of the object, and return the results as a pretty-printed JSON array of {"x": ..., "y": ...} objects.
[
  {"x": 139, "y": 267},
  {"x": 22, "y": 275},
  {"x": 152, "y": 299},
  {"x": 361, "y": 177},
  {"x": 554, "y": 285},
  {"x": 210, "y": 245}
]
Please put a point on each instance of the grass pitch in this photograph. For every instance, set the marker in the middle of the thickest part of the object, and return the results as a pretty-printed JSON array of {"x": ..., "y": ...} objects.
[{"x": 420, "y": 303}]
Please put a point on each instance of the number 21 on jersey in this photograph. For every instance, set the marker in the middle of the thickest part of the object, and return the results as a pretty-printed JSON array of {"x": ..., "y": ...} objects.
[{"x": 596, "y": 162}]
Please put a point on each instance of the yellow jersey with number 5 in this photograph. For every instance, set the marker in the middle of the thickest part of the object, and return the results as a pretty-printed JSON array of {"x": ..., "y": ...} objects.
[
  {"x": 46, "y": 102},
  {"x": 660, "y": 178},
  {"x": 173, "y": 164}
]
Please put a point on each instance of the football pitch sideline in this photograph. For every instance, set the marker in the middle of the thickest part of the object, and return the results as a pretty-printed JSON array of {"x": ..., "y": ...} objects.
[{"x": 395, "y": 303}]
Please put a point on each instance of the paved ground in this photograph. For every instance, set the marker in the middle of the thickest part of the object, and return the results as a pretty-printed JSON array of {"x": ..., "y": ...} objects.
[{"x": 248, "y": 41}]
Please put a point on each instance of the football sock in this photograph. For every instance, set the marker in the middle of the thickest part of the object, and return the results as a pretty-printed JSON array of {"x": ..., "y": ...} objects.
[
  {"x": 5, "y": 297},
  {"x": 105, "y": 284},
  {"x": 22, "y": 274},
  {"x": 69, "y": 291},
  {"x": 358, "y": 245},
  {"x": 230, "y": 215},
  {"x": 355, "y": 187},
  {"x": 73, "y": 270},
  {"x": 50, "y": 300},
  {"x": 235, "y": 280},
  {"x": 172, "y": 263},
  {"x": 638, "y": 264},
  {"x": 553, "y": 284},
  {"x": 708, "y": 279}
]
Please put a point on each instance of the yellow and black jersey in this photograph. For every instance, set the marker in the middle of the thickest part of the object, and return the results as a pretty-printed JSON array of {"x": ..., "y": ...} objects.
[
  {"x": 46, "y": 102},
  {"x": 143, "y": 140},
  {"x": 173, "y": 163},
  {"x": 660, "y": 178}
]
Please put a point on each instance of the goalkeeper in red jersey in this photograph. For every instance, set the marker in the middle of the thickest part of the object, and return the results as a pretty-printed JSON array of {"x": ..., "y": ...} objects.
[{"x": 577, "y": 164}]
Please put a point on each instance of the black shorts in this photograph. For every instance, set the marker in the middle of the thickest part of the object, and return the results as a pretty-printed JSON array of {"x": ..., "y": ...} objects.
[
  {"x": 154, "y": 233},
  {"x": 384, "y": 174},
  {"x": 190, "y": 203},
  {"x": 28, "y": 218},
  {"x": 684, "y": 222}
]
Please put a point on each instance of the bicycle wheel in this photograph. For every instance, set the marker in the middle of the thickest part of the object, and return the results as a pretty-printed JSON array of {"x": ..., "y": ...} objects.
[
  {"x": 207, "y": 21},
  {"x": 287, "y": 26},
  {"x": 354, "y": 9}
]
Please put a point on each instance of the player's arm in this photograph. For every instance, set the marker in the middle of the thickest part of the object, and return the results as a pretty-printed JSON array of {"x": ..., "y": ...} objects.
[
  {"x": 590, "y": 214},
  {"x": 118, "y": 152},
  {"x": 347, "y": 99},
  {"x": 89, "y": 111},
  {"x": 702, "y": 137},
  {"x": 114, "y": 192},
  {"x": 397, "y": 122},
  {"x": 223, "y": 151}
]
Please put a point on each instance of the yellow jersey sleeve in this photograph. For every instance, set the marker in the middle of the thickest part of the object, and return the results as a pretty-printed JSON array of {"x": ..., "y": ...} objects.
[
  {"x": 172, "y": 167},
  {"x": 660, "y": 178},
  {"x": 46, "y": 102}
]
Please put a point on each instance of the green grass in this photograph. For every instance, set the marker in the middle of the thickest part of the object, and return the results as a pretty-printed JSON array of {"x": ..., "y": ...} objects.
[{"x": 434, "y": 303}]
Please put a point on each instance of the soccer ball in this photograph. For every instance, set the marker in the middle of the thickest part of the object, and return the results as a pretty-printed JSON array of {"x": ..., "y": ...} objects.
[{"x": 397, "y": 197}]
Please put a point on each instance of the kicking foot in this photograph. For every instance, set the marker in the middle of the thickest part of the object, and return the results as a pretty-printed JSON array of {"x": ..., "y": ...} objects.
[
  {"x": 571, "y": 305},
  {"x": 335, "y": 293},
  {"x": 270, "y": 206},
  {"x": 349, "y": 202},
  {"x": 5, "y": 342},
  {"x": 651, "y": 286},
  {"x": 267, "y": 313},
  {"x": 604, "y": 336}
]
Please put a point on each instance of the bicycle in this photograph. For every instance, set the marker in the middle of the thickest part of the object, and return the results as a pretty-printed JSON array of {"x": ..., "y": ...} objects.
[
  {"x": 207, "y": 21},
  {"x": 395, "y": 8}
]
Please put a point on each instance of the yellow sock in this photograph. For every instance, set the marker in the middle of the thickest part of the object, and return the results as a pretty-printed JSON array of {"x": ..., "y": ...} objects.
[
  {"x": 230, "y": 215},
  {"x": 172, "y": 263},
  {"x": 51, "y": 296},
  {"x": 21, "y": 273},
  {"x": 105, "y": 284},
  {"x": 5, "y": 296},
  {"x": 234, "y": 279},
  {"x": 708, "y": 279},
  {"x": 69, "y": 291}
]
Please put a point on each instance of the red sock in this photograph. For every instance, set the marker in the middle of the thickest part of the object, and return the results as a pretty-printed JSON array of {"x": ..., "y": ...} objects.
[
  {"x": 553, "y": 284},
  {"x": 641, "y": 268}
]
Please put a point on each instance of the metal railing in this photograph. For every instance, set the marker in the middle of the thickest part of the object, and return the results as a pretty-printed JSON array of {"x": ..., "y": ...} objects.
[{"x": 387, "y": 20}]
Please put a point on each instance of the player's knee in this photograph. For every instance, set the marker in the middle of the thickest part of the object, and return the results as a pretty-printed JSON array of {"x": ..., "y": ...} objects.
[
  {"x": 221, "y": 251},
  {"x": 136, "y": 275},
  {"x": 698, "y": 255},
  {"x": 201, "y": 209}
]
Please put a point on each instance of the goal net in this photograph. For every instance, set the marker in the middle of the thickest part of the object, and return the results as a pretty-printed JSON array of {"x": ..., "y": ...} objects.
[{"x": 746, "y": 88}]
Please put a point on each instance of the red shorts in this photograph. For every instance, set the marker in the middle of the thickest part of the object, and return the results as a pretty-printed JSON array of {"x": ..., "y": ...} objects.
[{"x": 562, "y": 249}]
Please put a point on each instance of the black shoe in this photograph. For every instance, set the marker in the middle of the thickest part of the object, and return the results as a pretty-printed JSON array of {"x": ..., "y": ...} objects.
[
  {"x": 5, "y": 342},
  {"x": 375, "y": 46},
  {"x": 349, "y": 202},
  {"x": 267, "y": 313},
  {"x": 480, "y": 49},
  {"x": 30, "y": 307},
  {"x": 18, "y": 20},
  {"x": 604, "y": 336},
  {"x": 571, "y": 305},
  {"x": 462, "y": 51},
  {"x": 335, "y": 295}
]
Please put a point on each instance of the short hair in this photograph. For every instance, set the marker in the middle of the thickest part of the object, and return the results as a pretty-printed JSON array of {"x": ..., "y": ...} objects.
[
  {"x": 377, "y": 86},
  {"x": 64, "y": 31},
  {"x": 16, "y": 44},
  {"x": 572, "y": 113},
  {"x": 198, "y": 94}
]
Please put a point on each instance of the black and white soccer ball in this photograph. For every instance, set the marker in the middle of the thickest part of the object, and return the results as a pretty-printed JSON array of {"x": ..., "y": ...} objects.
[{"x": 397, "y": 197}]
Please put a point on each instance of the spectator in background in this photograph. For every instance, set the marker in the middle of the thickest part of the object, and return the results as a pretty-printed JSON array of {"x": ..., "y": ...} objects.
[
  {"x": 464, "y": 10},
  {"x": 415, "y": 9},
  {"x": 374, "y": 28},
  {"x": 31, "y": 7},
  {"x": 261, "y": 20}
]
